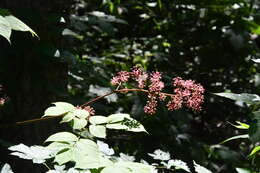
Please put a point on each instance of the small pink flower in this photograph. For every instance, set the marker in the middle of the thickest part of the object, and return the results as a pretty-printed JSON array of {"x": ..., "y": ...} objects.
[
  {"x": 90, "y": 110},
  {"x": 162, "y": 96},
  {"x": 150, "y": 107},
  {"x": 140, "y": 76},
  {"x": 121, "y": 77},
  {"x": 156, "y": 84},
  {"x": 187, "y": 93},
  {"x": 155, "y": 76},
  {"x": 175, "y": 102}
]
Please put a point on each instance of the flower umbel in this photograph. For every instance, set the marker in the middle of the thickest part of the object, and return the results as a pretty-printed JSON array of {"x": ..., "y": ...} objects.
[
  {"x": 121, "y": 77},
  {"x": 186, "y": 93},
  {"x": 90, "y": 110}
]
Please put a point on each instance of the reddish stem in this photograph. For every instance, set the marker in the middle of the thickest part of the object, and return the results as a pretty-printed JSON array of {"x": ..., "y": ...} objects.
[{"x": 125, "y": 90}]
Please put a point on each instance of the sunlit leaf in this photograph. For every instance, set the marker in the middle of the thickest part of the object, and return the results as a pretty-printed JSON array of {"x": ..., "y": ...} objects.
[
  {"x": 98, "y": 120},
  {"x": 63, "y": 157},
  {"x": 59, "y": 146},
  {"x": 81, "y": 113},
  {"x": 113, "y": 118},
  {"x": 38, "y": 154},
  {"x": 133, "y": 125},
  {"x": 126, "y": 157},
  {"x": 87, "y": 147},
  {"x": 240, "y": 125},
  {"x": 60, "y": 108},
  {"x": 62, "y": 137},
  {"x": 87, "y": 156},
  {"x": 245, "y": 136},
  {"x": 69, "y": 32},
  {"x": 178, "y": 164},
  {"x": 98, "y": 131},
  {"x": 104, "y": 148},
  {"x": 256, "y": 60},
  {"x": 127, "y": 167},
  {"x": 6, "y": 169},
  {"x": 67, "y": 118},
  {"x": 243, "y": 170},
  {"x": 54, "y": 111},
  {"x": 160, "y": 155},
  {"x": 88, "y": 162},
  {"x": 115, "y": 169},
  {"x": 254, "y": 151},
  {"x": 18, "y": 25},
  {"x": 5, "y": 28},
  {"x": 244, "y": 97},
  {"x": 66, "y": 106},
  {"x": 200, "y": 169},
  {"x": 117, "y": 126},
  {"x": 79, "y": 123},
  {"x": 135, "y": 167}
]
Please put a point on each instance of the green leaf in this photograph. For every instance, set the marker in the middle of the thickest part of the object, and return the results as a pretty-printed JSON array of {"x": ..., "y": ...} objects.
[
  {"x": 254, "y": 151},
  {"x": 18, "y": 25},
  {"x": 244, "y": 97},
  {"x": 236, "y": 137},
  {"x": 160, "y": 4},
  {"x": 117, "y": 117},
  {"x": 87, "y": 146},
  {"x": 254, "y": 129},
  {"x": 67, "y": 118},
  {"x": 59, "y": 146},
  {"x": 115, "y": 169},
  {"x": 200, "y": 169},
  {"x": 62, "y": 137},
  {"x": 133, "y": 125},
  {"x": 86, "y": 155},
  {"x": 66, "y": 106},
  {"x": 243, "y": 170},
  {"x": 6, "y": 169},
  {"x": 38, "y": 154},
  {"x": 241, "y": 125},
  {"x": 178, "y": 164},
  {"x": 256, "y": 60},
  {"x": 134, "y": 166},
  {"x": 54, "y": 111},
  {"x": 81, "y": 113},
  {"x": 79, "y": 123},
  {"x": 63, "y": 157},
  {"x": 5, "y": 29},
  {"x": 98, "y": 131},
  {"x": 255, "y": 28},
  {"x": 98, "y": 120},
  {"x": 88, "y": 162},
  {"x": 117, "y": 126},
  {"x": 60, "y": 108}
]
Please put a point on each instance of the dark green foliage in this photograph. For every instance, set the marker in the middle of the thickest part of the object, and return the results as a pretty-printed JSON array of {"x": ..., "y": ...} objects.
[{"x": 210, "y": 42}]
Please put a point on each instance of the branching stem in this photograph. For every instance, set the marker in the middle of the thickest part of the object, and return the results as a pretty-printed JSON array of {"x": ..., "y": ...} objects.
[{"x": 125, "y": 90}]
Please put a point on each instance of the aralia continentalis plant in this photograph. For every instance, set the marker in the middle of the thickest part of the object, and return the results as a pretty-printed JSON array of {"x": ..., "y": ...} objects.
[
  {"x": 81, "y": 147},
  {"x": 185, "y": 93}
]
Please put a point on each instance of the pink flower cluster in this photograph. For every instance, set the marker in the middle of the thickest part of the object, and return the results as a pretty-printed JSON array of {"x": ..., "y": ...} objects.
[
  {"x": 156, "y": 84},
  {"x": 90, "y": 110},
  {"x": 150, "y": 107},
  {"x": 187, "y": 93},
  {"x": 121, "y": 77}
]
